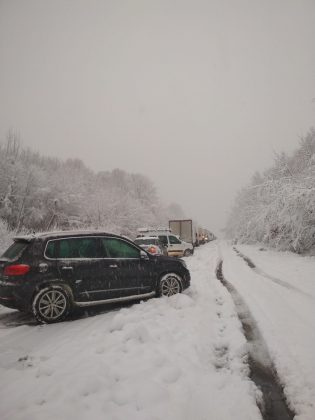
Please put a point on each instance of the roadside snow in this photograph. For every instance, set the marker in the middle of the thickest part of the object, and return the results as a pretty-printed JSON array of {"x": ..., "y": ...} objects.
[
  {"x": 280, "y": 293},
  {"x": 178, "y": 358},
  {"x": 296, "y": 270}
]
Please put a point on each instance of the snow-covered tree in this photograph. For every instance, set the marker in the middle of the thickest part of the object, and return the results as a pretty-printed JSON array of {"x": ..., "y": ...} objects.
[
  {"x": 43, "y": 193},
  {"x": 278, "y": 207}
]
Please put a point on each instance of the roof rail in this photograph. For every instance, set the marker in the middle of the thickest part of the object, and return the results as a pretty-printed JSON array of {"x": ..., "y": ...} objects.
[{"x": 152, "y": 229}]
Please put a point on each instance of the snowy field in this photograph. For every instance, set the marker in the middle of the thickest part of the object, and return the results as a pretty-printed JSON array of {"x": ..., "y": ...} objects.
[{"x": 178, "y": 358}]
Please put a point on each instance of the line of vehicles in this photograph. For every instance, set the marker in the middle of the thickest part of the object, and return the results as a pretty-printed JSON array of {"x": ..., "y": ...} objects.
[{"x": 177, "y": 240}]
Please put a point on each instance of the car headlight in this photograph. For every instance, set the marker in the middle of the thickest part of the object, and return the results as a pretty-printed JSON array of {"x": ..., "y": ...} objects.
[{"x": 183, "y": 263}]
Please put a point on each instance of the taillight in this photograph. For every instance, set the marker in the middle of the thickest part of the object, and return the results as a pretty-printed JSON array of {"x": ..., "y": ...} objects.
[
  {"x": 152, "y": 250},
  {"x": 16, "y": 270}
]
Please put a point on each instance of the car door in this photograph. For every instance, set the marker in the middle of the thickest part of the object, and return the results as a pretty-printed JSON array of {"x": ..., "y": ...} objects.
[
  {"x": 79, "y": 263},
  {"x": 164, "y": 240},
  {"x": 133, "y": 275},
  {"x": 175, "y": 246}
]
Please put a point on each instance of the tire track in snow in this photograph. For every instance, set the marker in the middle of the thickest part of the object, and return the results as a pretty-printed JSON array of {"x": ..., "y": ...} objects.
[
  {"x": 262, "y": 372},
  {"x": 260, "y": 272}
]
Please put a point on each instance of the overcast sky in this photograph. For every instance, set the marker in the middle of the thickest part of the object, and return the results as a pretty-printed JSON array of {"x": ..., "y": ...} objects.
[{"x": 195, "y": 94}]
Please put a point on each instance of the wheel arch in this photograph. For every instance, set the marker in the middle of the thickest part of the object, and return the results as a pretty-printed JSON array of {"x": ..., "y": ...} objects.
[{"x": 52, "y": 283}]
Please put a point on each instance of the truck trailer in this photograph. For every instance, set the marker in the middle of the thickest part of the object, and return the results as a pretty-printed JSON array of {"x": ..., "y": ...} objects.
[{"x": 186, "y": 229}]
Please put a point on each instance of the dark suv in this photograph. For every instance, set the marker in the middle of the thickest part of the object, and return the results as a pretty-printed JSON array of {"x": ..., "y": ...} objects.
[{"x": 49, "y": 274}]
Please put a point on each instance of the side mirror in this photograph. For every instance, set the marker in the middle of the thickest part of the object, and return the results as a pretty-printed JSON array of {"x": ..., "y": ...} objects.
[{"x": 143, "y": 255}]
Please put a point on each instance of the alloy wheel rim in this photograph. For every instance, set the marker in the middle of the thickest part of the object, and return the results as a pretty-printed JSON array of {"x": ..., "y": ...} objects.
[
  {"x": 170, "y": 286},
  {"x": 52, "y": 304}
]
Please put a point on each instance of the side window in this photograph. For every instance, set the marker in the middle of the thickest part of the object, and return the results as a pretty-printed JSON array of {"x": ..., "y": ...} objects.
[
  {"x": 50, "y": 251},
  {"x": 78, "y": 248},
  {"x": 174, "y": 240},
  {"x": 115, "y": 248},
  {"x": 163, "y": 239}
]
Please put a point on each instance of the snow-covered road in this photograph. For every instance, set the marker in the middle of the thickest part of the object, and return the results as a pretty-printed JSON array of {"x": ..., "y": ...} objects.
[
  {"x": 178, "y": 358},
  {"x": 280, "y": 294}
]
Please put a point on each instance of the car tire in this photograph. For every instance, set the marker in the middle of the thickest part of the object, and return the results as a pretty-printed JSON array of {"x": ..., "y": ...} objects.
[
  {"x": 51, "y": 304},
  {"x": 188, "y": 253},
  {"x": 170, "y": 284}
]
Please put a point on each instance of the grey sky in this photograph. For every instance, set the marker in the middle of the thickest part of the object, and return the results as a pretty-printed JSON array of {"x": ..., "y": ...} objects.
[{"x": 195, "y": 94}]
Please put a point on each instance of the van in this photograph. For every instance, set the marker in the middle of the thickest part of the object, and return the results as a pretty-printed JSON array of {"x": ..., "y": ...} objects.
[{"x": 176, "y": 247}]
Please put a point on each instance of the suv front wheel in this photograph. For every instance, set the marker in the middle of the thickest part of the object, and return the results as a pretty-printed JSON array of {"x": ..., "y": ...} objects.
[
  {"x": 170, "y": 284},
  {"x": 51, "y": 304}
]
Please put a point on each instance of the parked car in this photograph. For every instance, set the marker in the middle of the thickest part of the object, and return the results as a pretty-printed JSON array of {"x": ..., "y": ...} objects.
[
  {"x": 176, "y": 247},
  {"x": 49, "y": 274},
  {"x": 151, "y": 244}
]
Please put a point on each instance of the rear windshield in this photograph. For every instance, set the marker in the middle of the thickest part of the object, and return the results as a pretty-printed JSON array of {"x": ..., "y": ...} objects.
[
  {"x": 15, "y": 250},
  {"x": 146, "y": 241}
]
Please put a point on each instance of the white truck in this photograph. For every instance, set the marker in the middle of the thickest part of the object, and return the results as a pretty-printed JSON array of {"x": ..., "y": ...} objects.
[
  {"x": 176, "y": 247},
  {"x": 186, "y": 229}
]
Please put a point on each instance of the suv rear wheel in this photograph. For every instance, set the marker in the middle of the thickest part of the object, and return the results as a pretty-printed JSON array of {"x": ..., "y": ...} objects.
[
  {"x": 51, "y": 304},
  {"x": 170, "y": 284}
]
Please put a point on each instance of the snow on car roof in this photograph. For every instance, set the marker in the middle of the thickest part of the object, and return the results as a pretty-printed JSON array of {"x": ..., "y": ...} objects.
[
  {"x": 147, "y": 237},
  {"x": 61, "y": 233}
]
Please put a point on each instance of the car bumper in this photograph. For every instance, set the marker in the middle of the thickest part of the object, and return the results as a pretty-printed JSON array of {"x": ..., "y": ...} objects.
[
  {"x": 14, "y": 296},
  {"x": 186, "y": 280},
  {"x": 175, "y": 253}
]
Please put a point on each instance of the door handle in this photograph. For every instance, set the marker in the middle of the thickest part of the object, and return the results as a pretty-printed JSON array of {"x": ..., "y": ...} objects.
[
  {"x": 113, "y": 266},
  {"x": 67, "y": 267}
]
